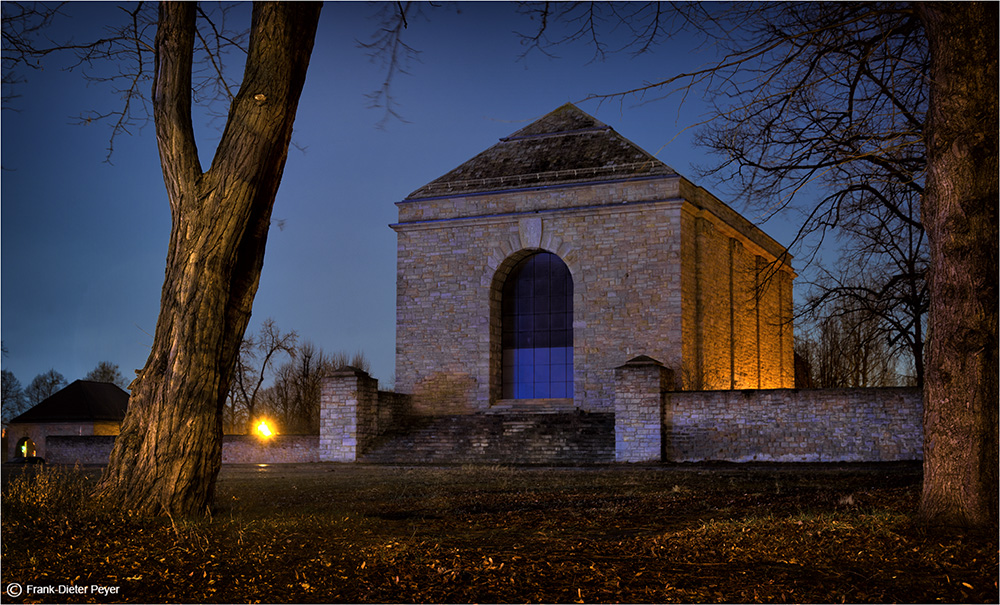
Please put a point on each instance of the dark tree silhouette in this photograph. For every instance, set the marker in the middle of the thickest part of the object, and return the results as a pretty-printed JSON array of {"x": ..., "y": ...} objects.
[
  {"x": 293, "y": 400},
  {"x": 42, "y": 386},
  {"x": 107, "y": 372},
  {"x": 842, "y": 350},
  {"x": 12, "y": 399},
  {"x": 879, "y": 283}
]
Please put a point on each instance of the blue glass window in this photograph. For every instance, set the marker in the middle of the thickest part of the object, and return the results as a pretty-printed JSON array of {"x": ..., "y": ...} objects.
[{"x": 537, "y": 325}]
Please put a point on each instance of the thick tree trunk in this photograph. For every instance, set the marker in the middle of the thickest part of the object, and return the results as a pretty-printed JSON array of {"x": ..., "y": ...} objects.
[
  {"x": 959, "y": 211},
  {"x": 169, "y": 452}
]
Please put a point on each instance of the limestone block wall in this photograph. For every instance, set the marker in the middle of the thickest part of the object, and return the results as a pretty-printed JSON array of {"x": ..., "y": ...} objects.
[
  {"x": 279, "y": 449},
  {"x": 649, "y": 423},
  {"x": 737, "y": 307},
  {"x": 787, "y": 425},
  {"x": 236, "y": 449},
  {"x": 621, "y": 243},
  {"x": 353, "y": 413},
  {"x": 78, "y": 449}
]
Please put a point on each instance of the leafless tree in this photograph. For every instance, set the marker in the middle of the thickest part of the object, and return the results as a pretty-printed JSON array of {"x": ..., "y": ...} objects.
[
  {"x": 959, "y": 212},
  {"x": 387, "y": 48},
  {"x": 842, "y": 123},
  {"x": 12, "y": 396},
  {"x": 847, "y": 351},
  {"x": 43, "y": 386},
  {"x": 294, "y": 398},
  {"x": 107, "y": 372},
  {"x": 880, "y": 280},
  {"x": 168, "y": 454},
  {"x": 129, "y": 45},
  {"x": 253, "y": 366}
]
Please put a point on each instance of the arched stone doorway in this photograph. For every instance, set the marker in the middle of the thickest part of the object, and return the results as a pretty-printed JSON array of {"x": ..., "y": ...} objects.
[{"x": 25, "y": 448}]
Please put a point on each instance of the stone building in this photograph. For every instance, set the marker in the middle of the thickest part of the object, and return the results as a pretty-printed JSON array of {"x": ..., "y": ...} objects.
[
  {"x": 529, "y": 273},
  {"x": 83, "y": 408}
]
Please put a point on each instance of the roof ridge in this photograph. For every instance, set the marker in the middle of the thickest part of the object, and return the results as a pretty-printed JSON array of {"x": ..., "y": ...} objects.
[{"x": 561, "y": 133}]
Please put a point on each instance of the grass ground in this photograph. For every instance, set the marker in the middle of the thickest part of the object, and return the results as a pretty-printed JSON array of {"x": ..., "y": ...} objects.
[{"x": 344, "y": 533}]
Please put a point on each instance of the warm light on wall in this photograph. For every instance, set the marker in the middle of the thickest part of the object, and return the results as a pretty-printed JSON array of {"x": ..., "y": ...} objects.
[{"x": 264, "y": 431}]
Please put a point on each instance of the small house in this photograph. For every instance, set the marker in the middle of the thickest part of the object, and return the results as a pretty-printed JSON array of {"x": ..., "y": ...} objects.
[{"x": 84, "y": 408}]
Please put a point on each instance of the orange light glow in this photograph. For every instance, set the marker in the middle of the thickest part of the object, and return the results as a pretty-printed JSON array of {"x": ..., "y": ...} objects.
[{"x": 263, "y": 430}]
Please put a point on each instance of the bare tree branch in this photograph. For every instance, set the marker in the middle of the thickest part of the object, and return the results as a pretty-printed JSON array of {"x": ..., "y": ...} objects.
[
  {"x": 122, "y": 59},
  {"x": 388, "y": 48}
]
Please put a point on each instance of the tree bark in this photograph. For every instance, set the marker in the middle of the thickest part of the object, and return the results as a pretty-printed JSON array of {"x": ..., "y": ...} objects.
[
  {"x": 959, "y": 211},
  {"x": 169, "y": 452}
]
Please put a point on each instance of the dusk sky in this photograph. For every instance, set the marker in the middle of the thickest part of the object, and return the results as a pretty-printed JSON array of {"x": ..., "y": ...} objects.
[{"x": 84, "y": 241}]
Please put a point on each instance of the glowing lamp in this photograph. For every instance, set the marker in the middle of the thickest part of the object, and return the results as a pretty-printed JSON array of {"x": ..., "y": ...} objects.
[{"x": 263, "y": 430}]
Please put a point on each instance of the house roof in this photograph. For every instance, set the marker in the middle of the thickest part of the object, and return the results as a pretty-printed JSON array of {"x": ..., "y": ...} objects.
[
  {"x": 564, "y": 146},
  {"x": 81, "y": 401}
]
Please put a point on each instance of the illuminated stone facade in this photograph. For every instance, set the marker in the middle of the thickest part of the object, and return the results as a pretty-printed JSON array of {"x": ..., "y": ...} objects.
[{"x": 659, "y": 267}]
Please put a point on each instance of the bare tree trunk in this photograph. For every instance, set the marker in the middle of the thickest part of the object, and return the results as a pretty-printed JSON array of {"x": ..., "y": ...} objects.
[
  {"x": 168, "y": 454},
  {"x": 959, "y": 211}
]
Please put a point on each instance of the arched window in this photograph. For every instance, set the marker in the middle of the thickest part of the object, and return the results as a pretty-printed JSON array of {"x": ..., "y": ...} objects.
[
  {"x": 537, "y": 329},
  {"x": 25, "y": 448}
]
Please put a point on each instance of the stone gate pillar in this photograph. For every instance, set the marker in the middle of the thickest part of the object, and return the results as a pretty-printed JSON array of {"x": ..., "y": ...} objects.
[
  {"x": 348, "y": 405},
  {"x": 639, "y": 388}
]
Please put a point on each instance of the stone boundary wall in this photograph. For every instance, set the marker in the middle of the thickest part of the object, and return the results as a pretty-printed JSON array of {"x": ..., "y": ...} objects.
[
  {"x": 78, "y": 449},
  {"x": 250, "y": 449},
  {"x": 354, "y": 413},
  {"x": 780, "y": 425},
  {"x": 236, "y": 449},
  {"x": 791, "y": 425}
]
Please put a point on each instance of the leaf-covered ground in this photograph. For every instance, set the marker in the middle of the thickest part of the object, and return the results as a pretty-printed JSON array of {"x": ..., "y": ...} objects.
[{"x": 344, "y": 533}]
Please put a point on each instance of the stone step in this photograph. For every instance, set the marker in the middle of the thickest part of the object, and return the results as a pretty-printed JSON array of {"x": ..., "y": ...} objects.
[
  {"x": 564, "y": 438},
  {"x": 533, "y": 406}
]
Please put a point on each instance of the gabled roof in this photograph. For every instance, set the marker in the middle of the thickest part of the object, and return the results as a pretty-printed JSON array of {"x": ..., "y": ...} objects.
[
  {"x": 563, "y": 147},
  {"x": 81, "y": 401}
]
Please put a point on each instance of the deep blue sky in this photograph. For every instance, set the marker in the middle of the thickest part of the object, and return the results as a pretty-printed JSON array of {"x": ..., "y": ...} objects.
[{"x": 84, "y": 242}]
